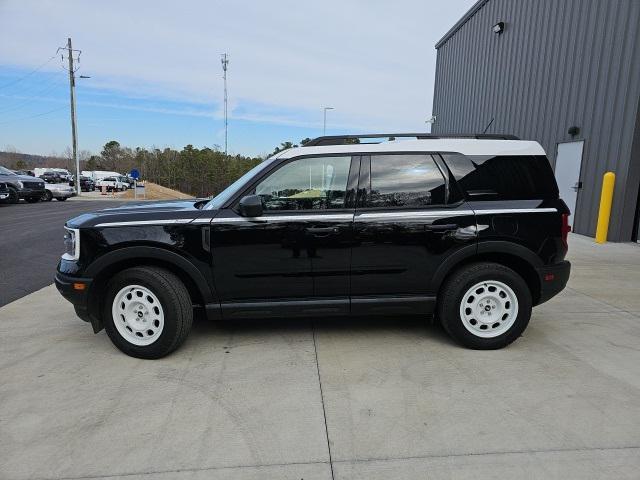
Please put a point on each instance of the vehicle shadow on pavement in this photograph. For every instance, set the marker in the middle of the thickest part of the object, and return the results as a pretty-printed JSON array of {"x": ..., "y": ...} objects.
[{"x": 415, "y": 325}]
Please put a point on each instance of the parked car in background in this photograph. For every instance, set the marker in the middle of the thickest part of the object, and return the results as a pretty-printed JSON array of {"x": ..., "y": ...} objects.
[
  {"x": 128, "y": 181},
  {"x": 22, "y": 186},
  {"x": 24, "y": 172},
  {"x": 111, "y": 184},
  {"x": 4, "y": 191},
  {"x": 86, "y": 184},
  {"x": 59, "y": 191},
  {"x": 64, "y": 174},
  {"x": 51, "y": 176}
]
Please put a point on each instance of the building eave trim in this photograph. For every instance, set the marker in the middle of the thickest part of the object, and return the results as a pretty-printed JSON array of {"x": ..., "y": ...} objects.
[{"x": 458, "y": 25}]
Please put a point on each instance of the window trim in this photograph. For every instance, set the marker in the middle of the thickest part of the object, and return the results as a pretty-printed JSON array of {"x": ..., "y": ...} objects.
[
  {"x": 433, "y": 155},
  {"x": 234, "y": 203}
]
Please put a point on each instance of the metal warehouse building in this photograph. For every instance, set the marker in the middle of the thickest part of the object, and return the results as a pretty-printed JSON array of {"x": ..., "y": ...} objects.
[{"x": 563, "y": 72}]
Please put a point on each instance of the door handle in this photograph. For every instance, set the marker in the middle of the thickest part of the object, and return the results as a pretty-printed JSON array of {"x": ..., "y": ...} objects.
[
  {"x": 442, "y": 228},
  {"x": 321, "y": 231},
  {"x": 577, "y": 186}
]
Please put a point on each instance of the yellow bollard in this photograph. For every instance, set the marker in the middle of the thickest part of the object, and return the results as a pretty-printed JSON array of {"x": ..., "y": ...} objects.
[{"x": 606, "y": 199}]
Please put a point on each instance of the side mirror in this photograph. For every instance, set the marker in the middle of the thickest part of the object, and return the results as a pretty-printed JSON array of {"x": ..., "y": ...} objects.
[{"x": 251, "y": 206}]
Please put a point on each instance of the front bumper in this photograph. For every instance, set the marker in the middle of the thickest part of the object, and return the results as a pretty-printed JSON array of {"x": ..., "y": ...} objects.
[
  {"x": 61, "y": 193},
  {"x": 31, "y": 192},
  {"x": 79, "y": 297},
  {"x": 553, "y": 279}
]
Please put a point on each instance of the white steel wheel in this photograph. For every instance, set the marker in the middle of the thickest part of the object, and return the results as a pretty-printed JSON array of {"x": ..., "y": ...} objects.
[
  {"x": 489, "y": 309},
  {"x": 138, "y": 315}
]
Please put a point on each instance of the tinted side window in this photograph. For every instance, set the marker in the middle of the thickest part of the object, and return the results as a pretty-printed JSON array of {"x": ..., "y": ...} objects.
[
  {"x": 306, "y": 184},
  {"x": 405, "y": 181},
  {"x": 504, "y": 177}
]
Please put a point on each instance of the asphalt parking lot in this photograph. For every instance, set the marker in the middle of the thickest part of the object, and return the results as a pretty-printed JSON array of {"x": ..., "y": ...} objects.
[
  {"x": 31, "y": 242},
  {"x": 346, "y": 399}
]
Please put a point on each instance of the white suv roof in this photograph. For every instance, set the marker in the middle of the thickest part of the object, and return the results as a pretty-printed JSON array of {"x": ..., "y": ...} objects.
[{"x": 466, "y": 146}]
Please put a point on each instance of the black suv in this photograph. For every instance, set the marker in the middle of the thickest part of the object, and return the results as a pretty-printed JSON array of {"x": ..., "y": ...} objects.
[
  {"x": 22, "y": 186},
  {"x": 86, "y": 184},
  {"x": 469, "y": 229}
]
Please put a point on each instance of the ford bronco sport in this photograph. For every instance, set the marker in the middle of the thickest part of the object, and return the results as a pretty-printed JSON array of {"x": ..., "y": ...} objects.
[{"x": 467, "y": 228}]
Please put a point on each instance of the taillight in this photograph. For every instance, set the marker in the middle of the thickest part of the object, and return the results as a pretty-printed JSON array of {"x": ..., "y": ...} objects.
[{"x": 566, "y": 228}]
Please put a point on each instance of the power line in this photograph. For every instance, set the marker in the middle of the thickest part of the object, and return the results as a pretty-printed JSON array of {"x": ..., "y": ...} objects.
[
  {"x": 34, "y": 116},
  {"x": 37, "y": 96},
  {"x": 28, "y": 74}
]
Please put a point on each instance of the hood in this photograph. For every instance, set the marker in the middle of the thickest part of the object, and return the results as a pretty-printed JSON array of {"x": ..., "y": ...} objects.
[
  {"x": 21, "y": 178},
  {"x": 165, "y": 211}
]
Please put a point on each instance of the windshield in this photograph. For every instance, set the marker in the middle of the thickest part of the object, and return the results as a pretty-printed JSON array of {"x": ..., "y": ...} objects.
[
  {"x": 6, "y": 171},
  {"x": 231, "y": 190}
]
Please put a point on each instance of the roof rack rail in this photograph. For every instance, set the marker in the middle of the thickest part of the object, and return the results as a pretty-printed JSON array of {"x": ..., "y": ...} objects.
[{"x": 355, "y": 139}]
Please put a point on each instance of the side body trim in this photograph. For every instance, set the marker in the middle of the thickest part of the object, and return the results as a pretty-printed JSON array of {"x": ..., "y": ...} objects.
[
  {"x": 516, "y": 210},
  {"x": 172, "y": 221},
  {"x": 285, "y": 218}
]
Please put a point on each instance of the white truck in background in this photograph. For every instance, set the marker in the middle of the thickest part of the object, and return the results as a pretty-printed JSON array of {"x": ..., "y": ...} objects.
[{"x": 96, "y": 175}]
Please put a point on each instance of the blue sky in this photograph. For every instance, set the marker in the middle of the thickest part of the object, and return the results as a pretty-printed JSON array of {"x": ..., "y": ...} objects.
[{"x": 156, "y": 78}]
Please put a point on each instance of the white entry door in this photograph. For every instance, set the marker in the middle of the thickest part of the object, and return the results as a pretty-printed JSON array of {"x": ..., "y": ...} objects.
[{"x": 568, "y": 163}]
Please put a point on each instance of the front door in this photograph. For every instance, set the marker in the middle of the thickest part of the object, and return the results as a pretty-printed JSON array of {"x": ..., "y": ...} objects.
[
  {"x": 567, "y": 171},
  {"x": 294, "y": 259}
]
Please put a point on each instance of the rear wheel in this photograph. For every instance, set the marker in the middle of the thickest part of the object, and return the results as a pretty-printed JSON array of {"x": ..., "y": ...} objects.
[
  {"x": 485, "y": 306},
  {"x": 61, "y": 199},
  {"x": 148, "y": 312}
]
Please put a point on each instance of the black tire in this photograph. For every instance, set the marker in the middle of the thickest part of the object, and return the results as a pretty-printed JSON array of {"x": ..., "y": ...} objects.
[
  {"x": 174, "y": 300},
  {"x": 47, "y": 196},
  {"x": 32, "y": 199},
  {"x": 458, "y": 284},
  {"x": 61, "y": 199},
  {"x": 13, "y": 196}
]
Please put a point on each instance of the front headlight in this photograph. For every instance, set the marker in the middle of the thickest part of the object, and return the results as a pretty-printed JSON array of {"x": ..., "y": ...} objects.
[{"x": 71, "y": 244}]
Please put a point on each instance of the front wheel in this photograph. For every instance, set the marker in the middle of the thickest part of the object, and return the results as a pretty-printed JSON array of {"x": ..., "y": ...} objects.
[
  {"x": 485, "y": 306},
  {"x": 47, "y": 196},
  {"x": 148, "y": 312}
]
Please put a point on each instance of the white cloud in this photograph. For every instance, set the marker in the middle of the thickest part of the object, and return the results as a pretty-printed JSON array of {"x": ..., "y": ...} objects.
[{"x": 373, "y": 61}]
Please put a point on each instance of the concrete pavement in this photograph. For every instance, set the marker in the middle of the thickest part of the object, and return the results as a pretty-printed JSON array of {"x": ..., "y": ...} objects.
[
  {"x": 353, "y": 399},
  {"x": 31, "y": 242}
]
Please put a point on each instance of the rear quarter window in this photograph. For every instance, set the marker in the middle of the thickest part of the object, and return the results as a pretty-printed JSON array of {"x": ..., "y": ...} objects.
[{"x": 503, "y": 177}]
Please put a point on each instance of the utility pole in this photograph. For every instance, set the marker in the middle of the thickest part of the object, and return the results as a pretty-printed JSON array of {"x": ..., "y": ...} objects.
[
  {"x": 225, "y": 61},
  {"x": 72, "y": 91},
  {"x": 324, "y": 125}
]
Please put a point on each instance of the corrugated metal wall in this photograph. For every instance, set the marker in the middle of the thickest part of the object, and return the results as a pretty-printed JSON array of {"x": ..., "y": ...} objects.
[{"x": 558, "y": 63}]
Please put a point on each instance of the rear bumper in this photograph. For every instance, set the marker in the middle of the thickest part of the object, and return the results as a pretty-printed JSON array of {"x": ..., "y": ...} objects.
[
  {"x": 553, "y": 279},
  {"x": 66, "y": 285}
]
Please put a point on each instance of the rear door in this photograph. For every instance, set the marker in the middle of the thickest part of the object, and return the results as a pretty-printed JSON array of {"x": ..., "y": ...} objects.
[{"x": 406, "y": 225}]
